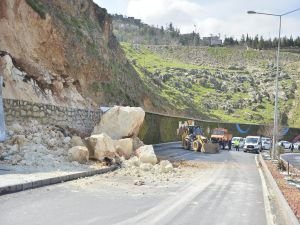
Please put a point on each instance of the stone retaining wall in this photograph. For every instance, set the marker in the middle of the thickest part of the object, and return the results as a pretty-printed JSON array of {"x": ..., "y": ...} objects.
[{"x": 83, "y": 120}]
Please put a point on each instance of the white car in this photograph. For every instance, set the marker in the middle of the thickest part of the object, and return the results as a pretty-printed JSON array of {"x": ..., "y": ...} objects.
[
  {"x": 253, "y": 144},
  {"x": 266, "y": 143},
  {"x": 296, "y": 145},
  {"x": 285, "y": 144}
]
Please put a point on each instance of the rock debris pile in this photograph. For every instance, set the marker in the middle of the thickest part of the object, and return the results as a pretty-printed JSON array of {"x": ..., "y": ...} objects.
[
  {"x": 114, "y": 141},
  {"x": 39, "y": 146},
  {"x": 115, "y": 138}
]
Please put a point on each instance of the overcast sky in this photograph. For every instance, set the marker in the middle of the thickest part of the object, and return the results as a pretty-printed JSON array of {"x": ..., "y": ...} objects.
[{"x": 227, "y": 17}]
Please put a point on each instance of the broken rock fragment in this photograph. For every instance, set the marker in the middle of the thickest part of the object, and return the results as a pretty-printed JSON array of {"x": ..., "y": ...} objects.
[
  {"x": 166, "y": 166},
  {"x": 124, "y": 147},
  {"x": 146, "y": 154},
  {"x": 79, "y": 154},
  {"x": 76, "y": 141},
  {"x": 101, "y": 146}
]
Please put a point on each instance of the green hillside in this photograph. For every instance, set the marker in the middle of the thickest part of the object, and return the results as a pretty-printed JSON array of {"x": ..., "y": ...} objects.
[{"x": 220, "y": 83}]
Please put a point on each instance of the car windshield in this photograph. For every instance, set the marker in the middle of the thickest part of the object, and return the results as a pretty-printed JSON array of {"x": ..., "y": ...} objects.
[
  {"x": 218, "y": 132},
  {"x": 252, "y": 140}
]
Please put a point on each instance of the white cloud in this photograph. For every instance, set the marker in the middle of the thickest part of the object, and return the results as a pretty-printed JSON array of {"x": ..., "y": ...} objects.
[{"x": 227, "y": 17}]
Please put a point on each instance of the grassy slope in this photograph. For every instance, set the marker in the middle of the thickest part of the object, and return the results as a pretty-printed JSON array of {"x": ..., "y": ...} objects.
[{"x": 147, "y": 62}]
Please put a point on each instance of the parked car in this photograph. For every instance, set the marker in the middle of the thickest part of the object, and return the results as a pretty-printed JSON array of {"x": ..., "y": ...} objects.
[
  {"x": 285, "y": 144},
  {"x": 297, "y": 145},
  {"x": 253, "y": 144},
  {"x": 266, "y": 143},
  {"x": 240, "y": 139}
]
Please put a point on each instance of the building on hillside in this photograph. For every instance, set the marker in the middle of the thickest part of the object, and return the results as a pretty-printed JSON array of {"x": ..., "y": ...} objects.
[{"x": 212, "y": 41}]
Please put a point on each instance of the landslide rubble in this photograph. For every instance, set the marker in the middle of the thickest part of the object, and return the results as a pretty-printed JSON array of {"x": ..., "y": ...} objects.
[
  {"x": 44, "y": 147},
  {"x": 47, "y": 147}
]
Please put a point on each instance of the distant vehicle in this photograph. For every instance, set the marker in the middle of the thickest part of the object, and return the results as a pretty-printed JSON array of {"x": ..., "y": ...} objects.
[
  {"x": 266, "y": 143},
  {"x": 253, "y": 144},
  {"x": 297, "y": 145},
  {"x": 240, "y": 139},
  {"x": 285, "y": 144},
  {"x": 220, "y": 134}
]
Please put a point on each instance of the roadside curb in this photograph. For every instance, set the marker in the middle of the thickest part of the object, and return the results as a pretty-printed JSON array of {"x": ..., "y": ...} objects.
[
  {"x": 53, "y": 180},
  {"x": 286, "y": 211}
]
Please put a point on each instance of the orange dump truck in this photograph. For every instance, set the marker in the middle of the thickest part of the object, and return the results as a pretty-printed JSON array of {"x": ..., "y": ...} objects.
[{"x": 220, "y": 134}]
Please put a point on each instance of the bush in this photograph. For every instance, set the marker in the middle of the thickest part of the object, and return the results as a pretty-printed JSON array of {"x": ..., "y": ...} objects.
[
  {"x": 38, "y": 7},
  {"x": 281, "y": 166}
]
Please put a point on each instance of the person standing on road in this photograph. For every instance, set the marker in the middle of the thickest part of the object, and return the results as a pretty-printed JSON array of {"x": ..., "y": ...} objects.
[
  {"x": 229, "y": 145},
  {"x": 237, "y": 145},
  {"x": 292, "y": 147}
]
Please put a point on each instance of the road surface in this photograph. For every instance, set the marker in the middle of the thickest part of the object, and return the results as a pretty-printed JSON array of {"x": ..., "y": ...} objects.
[
  {"x": 292, "y": 158},
  {"x": 228, "y": 191}
]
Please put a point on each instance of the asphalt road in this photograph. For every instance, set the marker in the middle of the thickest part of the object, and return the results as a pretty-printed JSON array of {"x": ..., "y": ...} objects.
[
  {"x": 292, "y": 158},
  {"x": 229, "y": 191}
]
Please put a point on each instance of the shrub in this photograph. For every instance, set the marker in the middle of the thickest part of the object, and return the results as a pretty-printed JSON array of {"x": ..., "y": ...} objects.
[
  {"x": 38, "y": 7},
  {"x": 281, "y": 166}
]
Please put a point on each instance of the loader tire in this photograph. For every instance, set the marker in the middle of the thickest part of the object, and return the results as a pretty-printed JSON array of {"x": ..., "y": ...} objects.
[
  {"x": 186, "y": 144},
  {"x": 197, "y": 146}
]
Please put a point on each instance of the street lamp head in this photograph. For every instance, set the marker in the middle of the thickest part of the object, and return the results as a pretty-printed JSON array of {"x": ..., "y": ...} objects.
[{"x": 251, "y": 12}]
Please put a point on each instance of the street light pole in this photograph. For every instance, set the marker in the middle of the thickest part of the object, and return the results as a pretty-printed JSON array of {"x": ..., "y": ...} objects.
[{"x": 275, "y": 129}]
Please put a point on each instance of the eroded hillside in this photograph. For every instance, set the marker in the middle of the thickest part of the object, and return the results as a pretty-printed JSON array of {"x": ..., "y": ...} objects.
[{"x": 64, "y": 52}]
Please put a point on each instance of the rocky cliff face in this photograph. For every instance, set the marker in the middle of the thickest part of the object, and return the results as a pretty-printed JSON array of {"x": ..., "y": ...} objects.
[{"x": 64, "y": 52}]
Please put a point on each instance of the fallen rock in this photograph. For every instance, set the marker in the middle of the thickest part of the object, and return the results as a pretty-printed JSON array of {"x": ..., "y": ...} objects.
[
  {"x": 79, "y": 154},
  {"x": 121, "y": 122},
  {"x": 133, "y": 162},
  {"x": 51, "y": 142},
  {"x": 76, "y": 141},
  {"x": 17, "y": 128},
  {"x": 101, "y": 146},
  {"x": 139, "y": 182},
  {"x": 137, "y": 143},
  {"x": 146, "y": 166},
  {"x": 166, "y": 166},
  {"x": 67, "y": 140},
  {"x": 146, "y": 154},
  {"x": 124, "y": 147},
  {"x": 16, "y": 159},
  {"x": 20, "y": 140}
]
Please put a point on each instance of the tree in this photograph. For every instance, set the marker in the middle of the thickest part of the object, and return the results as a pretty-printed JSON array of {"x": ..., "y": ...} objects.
[
  {"x": 255, "y": 42},
  {"x": 261, "y": 43}
]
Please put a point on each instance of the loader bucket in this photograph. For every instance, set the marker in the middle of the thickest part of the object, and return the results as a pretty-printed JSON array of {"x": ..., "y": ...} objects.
[{"x": 211, "y": 148}]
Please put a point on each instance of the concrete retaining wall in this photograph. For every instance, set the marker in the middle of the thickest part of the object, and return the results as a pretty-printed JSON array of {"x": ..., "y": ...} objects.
[{"x": 159, "y": 128}]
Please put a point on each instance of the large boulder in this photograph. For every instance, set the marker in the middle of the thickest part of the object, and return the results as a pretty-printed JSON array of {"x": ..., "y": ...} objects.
[
  {"x": 76, "y": 141},
  {"x": 121, "y": 122},
  {"x": 146, "y": 154},
  {"x": 137, "y": 143},
  {"x": 124, "y": 147},
  {"x": 101, "y": 146},
  {"x": 79, "y": 154}
]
